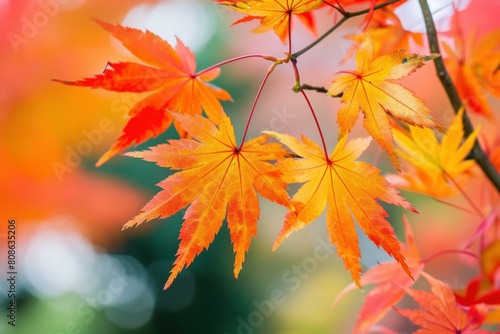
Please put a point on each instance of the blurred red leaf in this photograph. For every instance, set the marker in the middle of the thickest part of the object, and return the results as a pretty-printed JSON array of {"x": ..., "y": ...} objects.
[
  {"x": 386, "y": 276},
  {"x": 440, "y": 313},
  {"x": 473, "y": 64}
]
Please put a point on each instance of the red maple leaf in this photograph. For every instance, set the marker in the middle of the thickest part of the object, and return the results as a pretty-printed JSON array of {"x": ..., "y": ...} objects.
[{"x": 172, "y": 78}]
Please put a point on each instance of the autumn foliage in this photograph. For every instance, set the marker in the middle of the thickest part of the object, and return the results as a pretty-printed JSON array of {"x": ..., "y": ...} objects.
[
  {"x": 170, "y": 75},
  {"x": 218, "y": 178}
]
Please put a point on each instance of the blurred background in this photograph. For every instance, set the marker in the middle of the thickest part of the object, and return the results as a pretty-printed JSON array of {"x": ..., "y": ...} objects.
[{"x": 77, "y": 272}]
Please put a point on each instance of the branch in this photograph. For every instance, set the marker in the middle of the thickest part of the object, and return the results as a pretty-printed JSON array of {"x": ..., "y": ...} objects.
[
  {"x": 308, "y": 87},
  {"x": 345, "y": 17},
  {"x": 477, "y": 152},
  {"x": 315, "y": 88}
]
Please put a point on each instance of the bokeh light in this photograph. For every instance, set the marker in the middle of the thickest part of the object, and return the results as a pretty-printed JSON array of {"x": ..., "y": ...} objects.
[
  {"x": 190, "y": 20},
  {"x": 442, "y": 10},
  {"x": 57, "y": 262}
]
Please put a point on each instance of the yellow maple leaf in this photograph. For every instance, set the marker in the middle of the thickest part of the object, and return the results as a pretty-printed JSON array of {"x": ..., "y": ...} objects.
[
  {"x": 274, "y": 14},
  {"x": 439, "y": 168},
  {"x": 371, "y": 89}
]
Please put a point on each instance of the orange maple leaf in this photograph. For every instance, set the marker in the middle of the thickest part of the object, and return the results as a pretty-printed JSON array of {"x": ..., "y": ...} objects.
[
  {"x": 275, "y": 14},
  {"x": 474, "y": 67},
  {"x": 348, "y": 189},
  {"x": 215, "y": 175},
  {"x": 440, "y": 312},
  {"x": 438, "y": 169},
  {"x": 172, "y": 77},
  {"x": 372, "y": 10},
  {"x": 384, "y": 296},
  {"x": 385, "y": 27},
  {"x": 371, "y": 89}
]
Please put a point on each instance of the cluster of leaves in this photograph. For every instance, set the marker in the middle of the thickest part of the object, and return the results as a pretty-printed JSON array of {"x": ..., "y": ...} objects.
[{"x": 219, "y": 178}]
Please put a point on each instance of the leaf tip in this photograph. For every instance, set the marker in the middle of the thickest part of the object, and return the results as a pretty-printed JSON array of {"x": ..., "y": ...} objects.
[
  {"x": 108, "y": 155},
  {"x": 135, "y": 154},
  {"x": 130, "y": 224},
  {"x": 105, "y": 25},
  {"x": 236, "y": 270},
  {"x": 173, "y": 274},
  {"x": 277, "y": 243},
  {"x": 167, "y": 284},
  {"x": 357, "y": 281},
  {"x": 102, "y": 160},
  {"x": 432, "y": 56},
  {"x": 273, "y": 134},
  {"x": 395, "y": 160}
]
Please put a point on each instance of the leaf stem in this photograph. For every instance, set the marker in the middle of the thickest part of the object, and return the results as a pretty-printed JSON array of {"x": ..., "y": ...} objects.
[
  {"x": 477, "y": 152},
  {"x": 319, "y": 39},
  {"x": 269, "y": 71},
  {"x": 309, "y": 87},
  {"x": 289, "y": 34},
  {"x": 297, "y": 82},
  {"x": 464, "y": 194},
  {"x": 345, "y": 17},
  {"x": 450, "y": 251},
  {"x": 250, "y": 115},
  {"x": 267, "y": 57}
]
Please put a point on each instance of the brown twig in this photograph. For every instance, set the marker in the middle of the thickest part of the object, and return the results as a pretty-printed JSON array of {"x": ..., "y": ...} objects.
[
  {"x": 315, "y": 88},
  {"x": 345, "y": 17}
]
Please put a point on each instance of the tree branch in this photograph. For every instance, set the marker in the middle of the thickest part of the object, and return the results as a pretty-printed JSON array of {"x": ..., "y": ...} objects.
[
  {"x": 345, "y": 17},
  {"x": 309, "y": 87},
  {"x": 315, "y": 88},
  {"x": 477, "y": 152}
]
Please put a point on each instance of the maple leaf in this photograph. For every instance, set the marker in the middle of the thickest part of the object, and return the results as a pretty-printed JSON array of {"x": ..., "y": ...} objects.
[
  {"x": 371, "y": 89},
  {"x": 439, "y": 169},
  {"x": 473, "y": 65},
  {"x": 385, "y": 26},
  {"x": 384, "y": 296},
  {"x": 440, "y": 312},
  {"x": 348, "y": 189},
  {"x": 275, "y": 14},
  {"x": 484, "y": 289},
  {"x": 352, "y": 2},
  {"x": 215, "y": 175},
  {"x": 372, "y": 10},
  {"x": 171, "y": 77}
]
